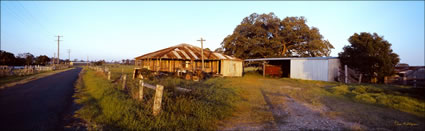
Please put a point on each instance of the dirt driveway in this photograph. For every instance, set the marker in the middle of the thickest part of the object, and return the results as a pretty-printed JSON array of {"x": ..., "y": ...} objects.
[{"x": 279, "y": 104}]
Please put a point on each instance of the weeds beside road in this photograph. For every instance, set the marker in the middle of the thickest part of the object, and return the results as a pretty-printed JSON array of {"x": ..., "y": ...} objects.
[
  {"x": 107, "y": 105},
  {"x": 9, "y": 81}
]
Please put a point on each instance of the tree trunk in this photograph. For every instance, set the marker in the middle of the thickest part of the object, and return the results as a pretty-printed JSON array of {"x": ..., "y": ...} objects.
[{"x": 284, "y": 50}]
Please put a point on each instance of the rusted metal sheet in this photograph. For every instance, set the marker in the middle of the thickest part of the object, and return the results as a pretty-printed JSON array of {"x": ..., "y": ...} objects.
[
  {"x": 185, "y": 52},
  {"x": 273, "y": 70}
]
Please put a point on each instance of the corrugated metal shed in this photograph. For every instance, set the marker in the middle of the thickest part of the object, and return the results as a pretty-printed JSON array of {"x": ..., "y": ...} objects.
[
  {"x": 186, "y": 52},
  {"x": 309, "y": 68}
]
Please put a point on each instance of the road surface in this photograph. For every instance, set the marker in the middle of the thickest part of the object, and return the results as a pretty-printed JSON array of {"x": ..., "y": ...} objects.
[{"x": 39, "y": 104}]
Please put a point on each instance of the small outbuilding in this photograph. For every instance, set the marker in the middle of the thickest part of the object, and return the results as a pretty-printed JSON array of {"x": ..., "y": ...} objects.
[
  {"x": 186, "y": 60},
  {"x": 307, "y": 68}
]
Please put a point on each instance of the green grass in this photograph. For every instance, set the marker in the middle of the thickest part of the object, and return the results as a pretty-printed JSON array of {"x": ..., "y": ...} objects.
[
  {"x": 106, "y": 105},
  {"x": 374, "y": 106},
  {"x": 11, "y": 79},
  {"x": 223, "y": 103},
  {"x": 387, "y": 96}
]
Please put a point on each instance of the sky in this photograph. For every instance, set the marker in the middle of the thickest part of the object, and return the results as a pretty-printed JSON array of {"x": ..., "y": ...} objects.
[{"x": 111, "y": 30}]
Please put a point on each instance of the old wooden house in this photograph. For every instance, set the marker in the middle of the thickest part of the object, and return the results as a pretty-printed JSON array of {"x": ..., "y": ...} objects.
[{"x": 185, "y": 59}]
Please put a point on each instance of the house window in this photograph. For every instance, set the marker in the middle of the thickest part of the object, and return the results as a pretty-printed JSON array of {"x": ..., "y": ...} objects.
[
  {"x": 207, "y": 64},
  {"x": 139, "y": 62},
  {"x": 187, "y": 63}
]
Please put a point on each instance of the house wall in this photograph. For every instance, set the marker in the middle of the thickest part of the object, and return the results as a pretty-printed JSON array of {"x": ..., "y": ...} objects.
[
  {"x": 309, "y": 69},
  {"x": 333, "y": 68},
  {"x": 169, "y": 65},
  {"x": 231, "y": 68}
]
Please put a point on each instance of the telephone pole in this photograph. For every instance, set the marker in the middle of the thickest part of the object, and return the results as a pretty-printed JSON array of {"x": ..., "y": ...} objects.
[
  {"x": 87, "y": 61},
  {"x": 53, "y": 59},
  {"x": 202, "y": 52},
  {"x": 69, "y": 54},
  {"x": 58, "y": 46}
]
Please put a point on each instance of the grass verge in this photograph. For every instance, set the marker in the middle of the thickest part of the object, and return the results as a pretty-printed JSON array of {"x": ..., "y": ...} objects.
[
  {"x": 14, "y": 80},
  {"x": 105, "y": 105}
]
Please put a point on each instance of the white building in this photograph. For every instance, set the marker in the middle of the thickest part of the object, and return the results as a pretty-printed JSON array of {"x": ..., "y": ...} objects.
[{"x": 306, "y": 68}]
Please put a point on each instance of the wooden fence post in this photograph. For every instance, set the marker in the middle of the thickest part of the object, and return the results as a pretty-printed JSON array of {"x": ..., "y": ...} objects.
[
  {"x": 264, "y": 68},
  {"x": 346, "y": 74},
  {"x": 158, "y": 99},
  {"x": 414, "y": 81},
  {"x": 134, "y": 74},
  {"x": 141, "y": 84},
  {"x": 124, "y": 78},
  {"x": 385, "y": 80},
  {"x": 404, "y": 80},
  {"x": 360, "y": 78},
  {"x": 109, "y": 75}
]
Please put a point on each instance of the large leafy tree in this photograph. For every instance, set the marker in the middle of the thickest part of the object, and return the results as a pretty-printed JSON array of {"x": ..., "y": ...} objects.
[
  {"x": 370, "y": 55},
  {"x": 42, "y": 60},
  {"x": 7, "y": 58},
  {"x": 29, "y": 58},
  {"x": 265, "y": 35}
]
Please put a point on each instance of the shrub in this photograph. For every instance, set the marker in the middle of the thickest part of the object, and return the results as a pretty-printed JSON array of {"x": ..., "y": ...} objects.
[
  {"x": 365, "y": 98},
  {"x": 359, "y": 90},
  {"x": 383, "y": 99},
  {"x": 340, "y": 90}
]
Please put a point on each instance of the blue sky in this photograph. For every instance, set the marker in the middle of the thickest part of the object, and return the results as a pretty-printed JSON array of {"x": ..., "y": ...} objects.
[{"x": 124, "y": 30}]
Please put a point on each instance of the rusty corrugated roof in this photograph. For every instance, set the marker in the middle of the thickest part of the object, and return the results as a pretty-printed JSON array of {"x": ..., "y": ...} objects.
[{"x": 186, "y": 52}]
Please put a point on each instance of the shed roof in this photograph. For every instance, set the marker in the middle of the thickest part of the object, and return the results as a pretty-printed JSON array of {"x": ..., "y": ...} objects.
[
  {"x": 186, "y": 52},
  {"x": 292, "y": 58}
]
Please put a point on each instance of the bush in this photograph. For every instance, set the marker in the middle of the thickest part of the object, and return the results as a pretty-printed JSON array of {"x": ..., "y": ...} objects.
[
  {"x": 383, "y": 99},
  {"x": 366, "y": 89},
  {"x": 365, "y": 98},
  {"x": 340, "y": 90}
]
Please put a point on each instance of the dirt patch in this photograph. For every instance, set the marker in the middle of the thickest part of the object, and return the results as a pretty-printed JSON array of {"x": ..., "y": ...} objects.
[{"x": 294, "y": 115}]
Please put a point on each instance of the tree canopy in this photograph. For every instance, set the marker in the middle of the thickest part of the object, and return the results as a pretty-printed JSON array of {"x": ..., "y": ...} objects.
[
  {"x": 42, "y": 60},
  {"x": 9, "y": 59},
  {"x": 370, "y": 55},
  {"x": 266, "y": 35}
]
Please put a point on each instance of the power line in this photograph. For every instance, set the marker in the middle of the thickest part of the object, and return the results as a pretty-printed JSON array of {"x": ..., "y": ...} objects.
[
  {"x": 22, "y": 20},
  {"x": 35, "y": 19}
]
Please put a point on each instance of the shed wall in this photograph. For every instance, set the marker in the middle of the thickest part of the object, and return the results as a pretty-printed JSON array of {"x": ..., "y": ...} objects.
[
  {"x": 333, "y": 69},
  {"x": 309, "y": 69},
  {"x": 231, "y": 68}
]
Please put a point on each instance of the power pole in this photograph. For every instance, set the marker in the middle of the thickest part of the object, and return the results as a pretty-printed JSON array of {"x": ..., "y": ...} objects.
[
  {"x": 202, "y": 52},
  {"x": 54, "y": 59},
  {"x": 87, "y": 61},
  {"x": 69, "y": 54},
  {"x": 58, "y": 46}
]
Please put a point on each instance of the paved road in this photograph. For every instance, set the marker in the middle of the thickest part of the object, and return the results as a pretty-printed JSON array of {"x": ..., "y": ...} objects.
[{"x": 39, "y": 104}]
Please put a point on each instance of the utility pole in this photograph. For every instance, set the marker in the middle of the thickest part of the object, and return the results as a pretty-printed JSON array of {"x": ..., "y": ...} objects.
[
  {"x": 53, "y": 59},
  {"x": 202, "y": 53},
  {"x": 87, "y": 61},
  {"x": 58, "y": 46},
  {"x": 69, "y": 54}
]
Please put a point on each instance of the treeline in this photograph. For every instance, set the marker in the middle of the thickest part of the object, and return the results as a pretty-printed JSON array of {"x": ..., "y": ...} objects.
[
  {"x": 9, "y": 59},
  {"x": 266, "y": 35}
]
